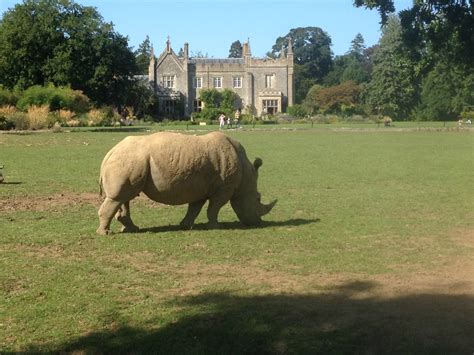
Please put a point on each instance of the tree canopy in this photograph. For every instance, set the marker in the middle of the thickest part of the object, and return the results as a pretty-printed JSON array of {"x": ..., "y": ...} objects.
[
  {"x": 311, "y": 47},
  {"x": 64, "y": 43},
  {"x": 444, "y": 25},
  {"x": 142, "y": 55},
  {"x": 312, "y": 56},
  {"x": 235, "y": 50},
  {"x": 392, "y": 90}
]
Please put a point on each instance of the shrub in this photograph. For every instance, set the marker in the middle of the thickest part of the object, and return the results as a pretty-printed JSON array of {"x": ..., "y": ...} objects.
[
  {"x": 467, "y": 115},
  {"x": 39, "y": 117},
  {"x": 55, "y": 98},
  {"x": 229, "y": 101},
  {"x": 6, "y": 124},
  {"x": 331, "y": 99},
  {"x": 95, "y": 117},
  {"x": 105, "y": 116},
  {"x": 297, "y": 111},
  {"x": 7, "y": 97},
  {"x": 74, "y": 123},
  {"x": 8, "y": 110},
  {"x": 209, "y": 114},
  {"x": 247, "y": 119},
  {"x": 62, "y": 116},
  {"x": 211, "y": 98},
  {"x": 65, "y": 115},
  {"x": 19, "y": 120}
]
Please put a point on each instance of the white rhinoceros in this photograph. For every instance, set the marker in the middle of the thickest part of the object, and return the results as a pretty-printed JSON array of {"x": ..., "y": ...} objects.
[{"x": 175, "y": 169}]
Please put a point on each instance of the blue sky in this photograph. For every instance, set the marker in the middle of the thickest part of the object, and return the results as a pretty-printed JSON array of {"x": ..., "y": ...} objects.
[{"x": 210, "y": 26}]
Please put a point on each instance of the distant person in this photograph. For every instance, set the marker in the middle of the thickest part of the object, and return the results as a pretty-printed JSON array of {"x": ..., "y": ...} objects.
[
  {"x": 468, "y": 122},
  {"x": 221, "y": 121},
  {"x": 229, "y": 123},
  {"x": 237, "y": 118},
  {"x": 460, "y": 122}
]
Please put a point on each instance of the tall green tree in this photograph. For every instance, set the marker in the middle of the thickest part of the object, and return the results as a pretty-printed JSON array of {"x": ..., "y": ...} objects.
[
  {"x": 355, "y": 65},
  {"x": 312, "y": 56},
  {"x": 445, "y": 92},
  {"x": 393, "y": 88},
  {"x": 357, "y": 48},
  {"x": 311, "y": 47},
  {"x": 443, "y": 25},
  {"x": 142, "y": 56},
  {"x": 62, "y": 42},
  {"x": 235, "y": 50}
]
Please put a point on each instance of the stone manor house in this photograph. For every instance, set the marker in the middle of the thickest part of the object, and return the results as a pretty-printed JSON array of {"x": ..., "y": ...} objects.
[{"x": 264, "y": 86}]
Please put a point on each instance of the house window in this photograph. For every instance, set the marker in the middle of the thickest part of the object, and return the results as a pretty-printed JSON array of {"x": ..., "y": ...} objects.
[
  {"x": 237, "y": 81},
  {"x": 197, "y": 82},
  {"x": 217, "y": 81},
  {"x": 197, "y": 105},
  {"x": 270, "y": 107},
  {"x": 169, "y": 107},
  {"x": 168, "y": 81},
  {"x": 268, "y": 81}
]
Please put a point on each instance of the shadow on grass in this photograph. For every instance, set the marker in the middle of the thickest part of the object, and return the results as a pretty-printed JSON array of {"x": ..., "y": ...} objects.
[
  {"x": 231, "y": 225},
  {"x": 346, "y": 319},
  {"x": 11, "y": 183}
]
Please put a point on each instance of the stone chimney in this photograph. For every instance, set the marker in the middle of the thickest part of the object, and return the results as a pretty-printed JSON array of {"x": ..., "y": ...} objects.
[
  {"x": 291, "y": 83},
  {"x": 246, "y": 53},
  {"x": 151, "y": 66},
  {"x": 186, "y": 50},
  {"x": 168, "y": 45}
]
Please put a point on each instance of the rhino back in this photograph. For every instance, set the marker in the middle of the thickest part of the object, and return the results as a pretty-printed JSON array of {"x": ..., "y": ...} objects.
[{"x": 184, "y": 169}]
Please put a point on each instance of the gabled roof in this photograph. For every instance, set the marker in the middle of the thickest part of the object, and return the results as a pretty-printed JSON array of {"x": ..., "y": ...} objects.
[{"x": 173, "y": 55}]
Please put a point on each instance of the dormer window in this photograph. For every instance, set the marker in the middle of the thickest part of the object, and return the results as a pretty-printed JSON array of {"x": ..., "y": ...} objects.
[{"x": 168, "y": 81}]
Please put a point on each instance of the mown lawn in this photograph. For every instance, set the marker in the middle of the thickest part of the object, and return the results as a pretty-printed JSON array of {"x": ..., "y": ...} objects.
[{"x": 369, "y": 249}]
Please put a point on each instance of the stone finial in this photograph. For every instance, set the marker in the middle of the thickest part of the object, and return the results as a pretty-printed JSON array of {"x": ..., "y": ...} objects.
[
  {"x": 290, "y": 46},
  {"x": 168, "y": 45},
  {"x": 152, "y": 54}
]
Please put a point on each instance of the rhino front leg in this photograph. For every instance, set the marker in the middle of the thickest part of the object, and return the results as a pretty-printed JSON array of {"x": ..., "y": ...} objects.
[
  {"x": 123, "y": 216},
  {"x": 194, "y": 209},
  {"x": 106, "y": 212},
  {"x": 216, "y": 202}
]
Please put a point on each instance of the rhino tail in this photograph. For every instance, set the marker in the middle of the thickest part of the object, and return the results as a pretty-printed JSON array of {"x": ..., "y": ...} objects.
[{"x": 100, "y": 187}]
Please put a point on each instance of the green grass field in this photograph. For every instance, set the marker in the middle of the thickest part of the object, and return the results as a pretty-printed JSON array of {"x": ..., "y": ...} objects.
[{"x": 369, "y": 250}]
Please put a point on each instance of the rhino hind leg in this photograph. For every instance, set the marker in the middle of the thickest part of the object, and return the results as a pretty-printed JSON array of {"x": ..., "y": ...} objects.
[
  {"x": 123, "y": 216},
  {"x": 194, "y": 209},
  {"x": 106, "y": 212}
]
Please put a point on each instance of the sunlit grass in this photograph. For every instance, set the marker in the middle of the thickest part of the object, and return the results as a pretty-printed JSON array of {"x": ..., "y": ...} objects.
[{"x": 350, "y": 202}]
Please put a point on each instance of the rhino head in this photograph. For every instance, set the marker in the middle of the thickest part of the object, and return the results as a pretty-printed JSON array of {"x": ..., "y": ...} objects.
[{"x": 246, "y": 202}]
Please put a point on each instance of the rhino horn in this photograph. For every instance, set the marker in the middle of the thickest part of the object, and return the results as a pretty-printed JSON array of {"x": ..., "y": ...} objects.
[{"x": 264, "y": 209}]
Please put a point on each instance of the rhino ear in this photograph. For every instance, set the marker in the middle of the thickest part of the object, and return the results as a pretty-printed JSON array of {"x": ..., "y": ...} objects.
[{"x": 257, "y": 163}]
